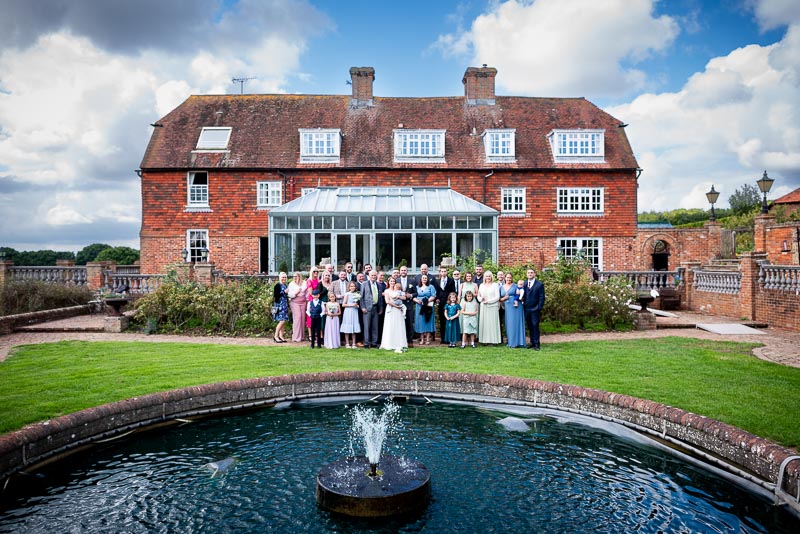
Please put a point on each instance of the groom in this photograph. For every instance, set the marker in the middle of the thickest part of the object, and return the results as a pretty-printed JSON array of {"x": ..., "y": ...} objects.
[{"x": 533, "y": 302}]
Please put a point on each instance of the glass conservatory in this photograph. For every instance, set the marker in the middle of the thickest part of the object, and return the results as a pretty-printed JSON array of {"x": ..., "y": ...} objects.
[{"x": 383, "y": 226}]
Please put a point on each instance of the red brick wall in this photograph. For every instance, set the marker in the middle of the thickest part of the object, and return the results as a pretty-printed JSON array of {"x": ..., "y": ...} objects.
[
  {"x": 685, "y": 244},
  {"x": 235, "y": 223},
  {"x": 778, "y": 308},
  {"x": 775, "y": 236},
  {"x": 726, "y": 304}
]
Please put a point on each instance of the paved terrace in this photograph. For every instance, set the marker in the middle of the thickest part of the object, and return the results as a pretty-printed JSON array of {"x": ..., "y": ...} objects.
[{"x": 779, "y": 346}]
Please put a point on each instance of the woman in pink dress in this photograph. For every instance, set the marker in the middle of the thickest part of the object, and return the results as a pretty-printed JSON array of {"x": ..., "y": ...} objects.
[
  {"x": 298, "y": 298},
  {"x": 312, "y": 283}
]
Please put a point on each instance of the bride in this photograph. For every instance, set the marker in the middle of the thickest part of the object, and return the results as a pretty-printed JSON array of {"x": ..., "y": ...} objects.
[{"x": 394, "y": 323}]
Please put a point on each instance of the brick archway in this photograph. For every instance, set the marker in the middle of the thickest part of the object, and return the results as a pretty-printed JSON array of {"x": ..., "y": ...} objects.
[{"x": 663, "y": 245}]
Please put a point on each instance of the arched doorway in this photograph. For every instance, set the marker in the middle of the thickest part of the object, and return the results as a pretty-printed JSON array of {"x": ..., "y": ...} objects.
[{"x": 660, "y": 256}]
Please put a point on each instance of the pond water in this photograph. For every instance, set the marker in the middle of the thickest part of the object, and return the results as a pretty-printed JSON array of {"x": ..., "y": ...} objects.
[{"x": 559, "y": 476}]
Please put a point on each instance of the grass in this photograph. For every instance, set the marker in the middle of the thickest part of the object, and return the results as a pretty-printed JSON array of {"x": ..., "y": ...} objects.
[{"x": 721, "y": 380}]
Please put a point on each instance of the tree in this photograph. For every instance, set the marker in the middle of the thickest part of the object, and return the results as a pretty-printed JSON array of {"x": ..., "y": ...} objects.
[
  {"x": 89, "y": 253},
  {"x": 120, "y": 255},
  {"x": 745, "y": 199}
]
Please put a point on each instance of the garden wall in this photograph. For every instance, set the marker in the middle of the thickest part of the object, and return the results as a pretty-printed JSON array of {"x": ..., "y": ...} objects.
[{"x": 45, "y": 440}]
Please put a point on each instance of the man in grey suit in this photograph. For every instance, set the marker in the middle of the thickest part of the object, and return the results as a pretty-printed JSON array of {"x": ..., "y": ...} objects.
[{"x": 371, "y": 309}]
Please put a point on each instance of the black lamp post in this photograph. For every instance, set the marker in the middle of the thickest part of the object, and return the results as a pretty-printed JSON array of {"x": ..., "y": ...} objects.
[
  {"x": 712, "y": 197},
  {"x": 765, "y": 184},
  {"x": 204, "y": 254},
  {"x": 184, "y": 253}
]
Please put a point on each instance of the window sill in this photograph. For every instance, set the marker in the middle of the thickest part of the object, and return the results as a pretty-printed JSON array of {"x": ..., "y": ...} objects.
[
  {"x": 501, "y": 159},
  {"x": 580, "y": 214},
  {"x": 420, "y": 159},
  {"x": 319, "y": 159},
  {"x": 514, "y": 214},
  {"x": 197, "y": 209},
  {"x": 266, "y": 208}
]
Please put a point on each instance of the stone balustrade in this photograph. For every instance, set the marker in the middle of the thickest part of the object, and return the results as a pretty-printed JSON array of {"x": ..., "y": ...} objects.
[
  {"x": 647, "y": 280},
  {"x": 779, "y": 277},
  {"x": 728, "y": 282},
  {"x": 55, "y": 275},
  {"x": 138, "y": 284}
]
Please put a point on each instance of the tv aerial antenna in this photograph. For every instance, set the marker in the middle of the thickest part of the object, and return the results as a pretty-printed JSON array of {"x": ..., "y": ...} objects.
[{"x": 241, "y": 81}]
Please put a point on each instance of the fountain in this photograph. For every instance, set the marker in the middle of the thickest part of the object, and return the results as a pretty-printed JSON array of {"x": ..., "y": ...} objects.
[{"x": 373, "y": 485}]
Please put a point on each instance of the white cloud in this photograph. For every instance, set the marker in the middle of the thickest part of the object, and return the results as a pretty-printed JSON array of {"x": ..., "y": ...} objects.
[
  {"x": 565, "y": 47},
  {"x": 725, "y": 126},
  {"x": 76, "y": 100},
  {"x": 776, "y": 13}
]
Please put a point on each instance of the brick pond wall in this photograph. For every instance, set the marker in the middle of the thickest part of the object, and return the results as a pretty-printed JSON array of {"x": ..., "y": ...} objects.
[{"x": 45, "y": 440}]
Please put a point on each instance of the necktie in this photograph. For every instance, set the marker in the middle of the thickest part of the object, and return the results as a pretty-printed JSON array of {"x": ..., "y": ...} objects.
[
  {"x": 530, "y": 285},
  {"x": 374, "y": 292}
]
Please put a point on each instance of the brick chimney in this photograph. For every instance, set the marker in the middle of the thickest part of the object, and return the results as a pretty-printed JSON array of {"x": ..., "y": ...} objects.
[
  {"x": 362, "y": 78},
  {"x": 479, "y": 85}
]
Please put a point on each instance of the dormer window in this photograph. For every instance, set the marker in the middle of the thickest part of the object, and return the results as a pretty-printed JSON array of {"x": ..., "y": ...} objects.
[
  {"x": 578, "y": 146},
  {"x": 416, "y": 146},
  {"x": 319, "y": 145},
  {"x": 499, "y": 145},
  {"x": 214, "y": 138}
]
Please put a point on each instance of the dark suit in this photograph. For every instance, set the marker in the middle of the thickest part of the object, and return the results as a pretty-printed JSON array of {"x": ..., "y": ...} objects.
[
  {"x": 411, "y": 293},
  {"x": 533, "y": 302},
  {"x": 441, "y": 296},
  {"x": 371, "y": 310}
]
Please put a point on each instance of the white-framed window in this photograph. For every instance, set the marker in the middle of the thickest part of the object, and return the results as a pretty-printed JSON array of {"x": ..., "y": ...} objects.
[
  {"x": 590, "y": 248},
  {"x": 419, "y": 145},
  {"x": 269, "y": 194},
  {"x": 306, "y": 190},
  {"x": 580, "y": 200},
  {"x": 214, "y": 138},
  {"x": 499, "y": 145},
  {"x": 512, "y": 200},
  {"x": 197, "y": 189},
  {"x": 318, "y": 145},
  {"x": 196, "y": 242},
  {"x": 576, "y": 146}
]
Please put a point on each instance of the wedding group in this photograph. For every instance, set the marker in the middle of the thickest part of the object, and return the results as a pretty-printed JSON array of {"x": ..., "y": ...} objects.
[{"x": 368, "y": 309}]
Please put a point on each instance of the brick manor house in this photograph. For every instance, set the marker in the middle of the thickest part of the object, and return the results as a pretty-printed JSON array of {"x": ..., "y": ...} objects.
[{"x": 263, "y": 183}]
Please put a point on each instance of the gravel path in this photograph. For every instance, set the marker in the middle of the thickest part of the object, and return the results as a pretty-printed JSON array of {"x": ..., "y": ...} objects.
[{"x": 779, "y": 346}]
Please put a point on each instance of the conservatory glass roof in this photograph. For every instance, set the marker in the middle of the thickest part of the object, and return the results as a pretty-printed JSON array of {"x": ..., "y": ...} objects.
[{"x": 383, "y": 200}]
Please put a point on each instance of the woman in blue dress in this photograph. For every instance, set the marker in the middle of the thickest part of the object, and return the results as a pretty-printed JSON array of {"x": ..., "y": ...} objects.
[
  {"x": 424, "y": 316},
  {"x": 281, "y": 302},
  {"x": 515, "y": 315}
]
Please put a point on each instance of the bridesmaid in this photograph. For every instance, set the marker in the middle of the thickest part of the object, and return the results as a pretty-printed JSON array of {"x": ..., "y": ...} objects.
[
  {"x": 298, "y": 298},
  {"x": 489, "y": 320}
]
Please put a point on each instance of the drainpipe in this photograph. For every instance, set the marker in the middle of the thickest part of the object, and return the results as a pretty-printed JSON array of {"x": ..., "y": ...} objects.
[
  {"x": 283, "y": 189},
  {"x": 484, "y": 184}
]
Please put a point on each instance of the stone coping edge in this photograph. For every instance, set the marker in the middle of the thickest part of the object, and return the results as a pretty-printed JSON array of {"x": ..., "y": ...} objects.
[
  {"x": 9, "y": 322},
  {"x": 42, "y": 441}
]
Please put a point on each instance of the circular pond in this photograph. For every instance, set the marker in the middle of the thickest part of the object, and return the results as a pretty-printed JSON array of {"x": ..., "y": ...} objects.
[{"x": 256, "y": 471}]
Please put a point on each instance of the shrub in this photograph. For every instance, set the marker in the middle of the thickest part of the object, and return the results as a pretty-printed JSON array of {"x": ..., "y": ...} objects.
[
  {"x": 236, "y": 308},
  {"x": 24, "y": 296}
]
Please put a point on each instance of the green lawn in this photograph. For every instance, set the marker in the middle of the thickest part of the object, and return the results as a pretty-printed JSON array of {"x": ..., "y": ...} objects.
[{"x": 713, "y": 378}]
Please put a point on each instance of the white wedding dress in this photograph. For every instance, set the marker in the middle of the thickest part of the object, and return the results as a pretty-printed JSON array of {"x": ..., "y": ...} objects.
[{"x": 394, "y": 325}]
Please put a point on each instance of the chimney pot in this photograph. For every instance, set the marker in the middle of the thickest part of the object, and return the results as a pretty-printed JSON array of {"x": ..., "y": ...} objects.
[
  {"x": 362, "y": 78},
  {"x": 479, "y": 85}
]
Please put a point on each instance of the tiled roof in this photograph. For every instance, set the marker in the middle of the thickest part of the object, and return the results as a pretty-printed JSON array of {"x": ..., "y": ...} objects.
[
  {"x": 789, "y": 198},
  {"x": 383, "y": 200},
  {"x": 265, "y": 131}
]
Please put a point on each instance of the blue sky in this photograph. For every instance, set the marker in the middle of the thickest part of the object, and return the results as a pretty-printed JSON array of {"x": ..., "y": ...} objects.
[{"x": 711, "y": 90}]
